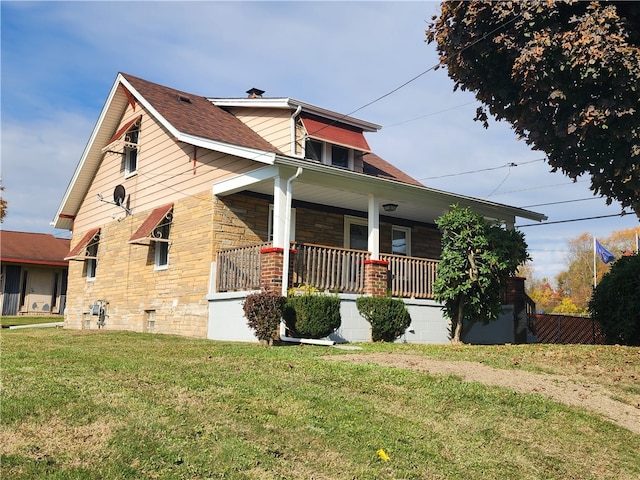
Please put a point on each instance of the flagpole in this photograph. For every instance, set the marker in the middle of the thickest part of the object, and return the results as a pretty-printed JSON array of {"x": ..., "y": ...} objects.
[{"x": 594, "y": 263}]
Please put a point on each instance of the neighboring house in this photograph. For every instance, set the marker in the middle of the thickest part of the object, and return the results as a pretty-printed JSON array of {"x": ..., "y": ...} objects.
[
  {"x": 34, "y": 273},
  {"x": 182, "y": 204}
]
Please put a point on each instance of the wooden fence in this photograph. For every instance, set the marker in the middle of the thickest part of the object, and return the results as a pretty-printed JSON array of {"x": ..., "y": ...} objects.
[{"x": 567, "y": 329}]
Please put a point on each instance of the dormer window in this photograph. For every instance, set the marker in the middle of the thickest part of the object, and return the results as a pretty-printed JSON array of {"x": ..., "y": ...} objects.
[
  {"x": 333, "y": 142},
  {"x": 131, "y": 150},
  {"x": 329, "y": 154}
]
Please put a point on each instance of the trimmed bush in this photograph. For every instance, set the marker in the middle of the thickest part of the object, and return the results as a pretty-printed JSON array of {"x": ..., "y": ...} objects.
[
  {"x": 389, "y": 317},
  {"x": 615, "y": 302},
  {"x": 263, "y": 312},
  {"x": 312, "y": 316}
]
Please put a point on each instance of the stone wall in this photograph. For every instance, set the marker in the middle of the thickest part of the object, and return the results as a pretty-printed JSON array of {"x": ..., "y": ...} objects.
[{"x": 139, "y": 297}]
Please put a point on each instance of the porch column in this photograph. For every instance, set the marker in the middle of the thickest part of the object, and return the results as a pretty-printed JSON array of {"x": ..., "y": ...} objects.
[
  {"x": 374, "y": 228},
  {"x": 376, "y": 277},
  {"x": 279, "y": 211}
]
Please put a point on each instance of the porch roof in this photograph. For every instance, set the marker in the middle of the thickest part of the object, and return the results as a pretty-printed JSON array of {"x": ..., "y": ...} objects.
[{"x": 340, "y": 188}]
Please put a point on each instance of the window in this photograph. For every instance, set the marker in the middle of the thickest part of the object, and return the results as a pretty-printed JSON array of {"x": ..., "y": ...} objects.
[
  {"x": 131, "y": 150},
  {"x": 160, "y": 236},
  {"x": 328, "y": 153},
  {"x": 339, "y": 156},
  {"x": 401, "y": 241},
  {"x": 356, "y": 234},
  {"x": 91, "y": 262},
  {"x": 313, "y": 149}
]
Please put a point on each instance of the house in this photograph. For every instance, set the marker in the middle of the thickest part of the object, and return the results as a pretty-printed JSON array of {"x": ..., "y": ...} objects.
[
  {"x": 182, "y": 204},
  {"x": 34, "y": 273}
]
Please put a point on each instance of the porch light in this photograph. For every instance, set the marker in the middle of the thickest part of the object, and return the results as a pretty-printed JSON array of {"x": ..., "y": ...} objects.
[{"x": 389, "y": 207}]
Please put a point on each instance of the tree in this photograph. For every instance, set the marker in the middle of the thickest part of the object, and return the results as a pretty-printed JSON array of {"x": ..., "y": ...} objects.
[
  {"x": 3, "y": 204},
  {"x": 564, "y": 74},
  {"x": 616, "y": 302},
  {"x": 476, "y": 258}
]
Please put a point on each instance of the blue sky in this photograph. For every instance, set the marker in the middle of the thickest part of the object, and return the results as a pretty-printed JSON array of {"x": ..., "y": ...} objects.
[{"x": 59, "y": 60}]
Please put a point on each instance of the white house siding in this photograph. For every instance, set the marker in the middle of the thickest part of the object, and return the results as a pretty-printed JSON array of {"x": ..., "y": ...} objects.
[{"x": 272, "y": 124}]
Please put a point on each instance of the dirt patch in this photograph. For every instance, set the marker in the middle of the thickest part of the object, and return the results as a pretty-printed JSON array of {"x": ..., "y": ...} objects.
[{"x": 560, "y": 388}]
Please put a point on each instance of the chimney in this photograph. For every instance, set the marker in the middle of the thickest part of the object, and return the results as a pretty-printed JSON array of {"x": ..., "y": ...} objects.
[{"x": 255, "y": 93}]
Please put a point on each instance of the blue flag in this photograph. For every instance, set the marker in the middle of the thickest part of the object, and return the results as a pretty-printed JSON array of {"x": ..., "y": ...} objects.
[{"x": 605, "y": 255}]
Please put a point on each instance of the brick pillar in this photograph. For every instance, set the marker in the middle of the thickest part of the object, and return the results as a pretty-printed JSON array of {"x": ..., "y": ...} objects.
[
  {"x": 271, "y": 268},
  {"x": 376, "y": 277},
  {"x": 272, "y": 264}
]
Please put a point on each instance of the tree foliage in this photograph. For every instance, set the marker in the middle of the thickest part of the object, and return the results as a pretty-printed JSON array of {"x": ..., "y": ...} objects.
[
  {"x": 3, "y": 204},
  {"x": 616, "y": 302},
  {"x": 564, "y": 74},
  {"x": 476, "y": 258}
]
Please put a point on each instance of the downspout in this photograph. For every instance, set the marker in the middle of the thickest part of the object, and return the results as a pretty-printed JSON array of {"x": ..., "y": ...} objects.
[
  {"x": 287, "y": 233},
  {"x": 285, "y": 266},
  {"x": 293, "y": 129}
]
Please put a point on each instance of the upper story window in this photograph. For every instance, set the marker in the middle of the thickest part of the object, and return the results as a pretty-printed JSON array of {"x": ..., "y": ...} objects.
[
  {"x": 91, "y": 259},
  {"x": 329, "y": 154},
  {"x": 131, "y": 149}
]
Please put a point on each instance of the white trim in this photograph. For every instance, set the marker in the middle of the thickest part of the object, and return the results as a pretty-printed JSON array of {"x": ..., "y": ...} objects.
[
  {"x": 292, "y": 231},
  {"x": 241, "y": 182}
]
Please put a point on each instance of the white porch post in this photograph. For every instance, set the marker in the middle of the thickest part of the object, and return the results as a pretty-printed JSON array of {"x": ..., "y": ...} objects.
[
  {"x": 374, "y": 228},
  {"x": 279, "y": 211}
]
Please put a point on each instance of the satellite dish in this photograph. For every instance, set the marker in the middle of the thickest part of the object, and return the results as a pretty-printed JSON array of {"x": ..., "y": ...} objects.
[{"x": 118, "y": 195}]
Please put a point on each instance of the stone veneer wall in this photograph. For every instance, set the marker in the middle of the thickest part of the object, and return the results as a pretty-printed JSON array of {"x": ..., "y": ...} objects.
[{"x": 139, "y": 297}]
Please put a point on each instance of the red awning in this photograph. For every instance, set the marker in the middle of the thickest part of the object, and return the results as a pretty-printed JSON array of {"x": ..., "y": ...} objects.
[
  {"x": 143, "y": 234},
  {"x": 78, "y": 252},
  {"x": 123, "y": 130},
  {"x": 336, "y": 133}
]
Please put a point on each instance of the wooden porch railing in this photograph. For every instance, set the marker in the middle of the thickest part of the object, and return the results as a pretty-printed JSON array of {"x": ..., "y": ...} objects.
[
  {"x": 239, "y": 268},
  {"x": 329, "y": 268},
  {"x": 411, "y": 276}
]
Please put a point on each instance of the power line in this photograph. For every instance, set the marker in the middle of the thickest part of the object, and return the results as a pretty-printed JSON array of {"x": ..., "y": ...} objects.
[
  {"x": 621, "y": 214},
  {"x": 506, "y": 165},
  {"x": 428, "y": 115},
  {"x": 558, "y": 203}
]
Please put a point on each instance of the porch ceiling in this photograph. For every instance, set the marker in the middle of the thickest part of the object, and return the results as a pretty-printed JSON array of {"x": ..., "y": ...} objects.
[{"x": 325, "y": 185}]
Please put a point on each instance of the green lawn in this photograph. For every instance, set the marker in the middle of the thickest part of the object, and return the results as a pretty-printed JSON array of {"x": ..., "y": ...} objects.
[
  {"x": 109, "y": 405},
  {"x": 12, "y": 321}
]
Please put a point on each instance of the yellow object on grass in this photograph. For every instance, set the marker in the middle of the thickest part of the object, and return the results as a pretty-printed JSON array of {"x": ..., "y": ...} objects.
[{"x": 383, "y": 455}]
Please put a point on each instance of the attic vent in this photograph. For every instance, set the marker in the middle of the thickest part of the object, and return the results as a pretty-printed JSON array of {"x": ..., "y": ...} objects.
[
  {"x": 255, "y": 93},
  {"x": 184, "y": 99}
]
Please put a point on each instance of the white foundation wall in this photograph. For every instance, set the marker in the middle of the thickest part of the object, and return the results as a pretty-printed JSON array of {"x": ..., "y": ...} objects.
[{"x": 428, "y": 325}]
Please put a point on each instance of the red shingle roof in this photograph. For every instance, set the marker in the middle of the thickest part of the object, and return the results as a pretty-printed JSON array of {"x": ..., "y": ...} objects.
[
  {"x": 195, "y": 115},
  {"x": 376, "y": 166},
  {"x": 33, "y": 248}
]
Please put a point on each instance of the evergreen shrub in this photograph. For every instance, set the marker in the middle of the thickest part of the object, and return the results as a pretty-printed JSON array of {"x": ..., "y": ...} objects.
[
  {"x": 389, "y": 317},
  {"x": 312, "y": 316}
]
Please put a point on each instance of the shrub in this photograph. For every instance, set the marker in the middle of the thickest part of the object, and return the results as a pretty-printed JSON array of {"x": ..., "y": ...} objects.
[
  {"x": 389, "y": 317},
  {"x": 312, "y": 316},
  {"x": 263, "y": 312},
  {"x": 615, "y": 302}
]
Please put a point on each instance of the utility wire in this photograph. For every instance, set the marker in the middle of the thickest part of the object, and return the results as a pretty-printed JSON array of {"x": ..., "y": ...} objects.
[
  {"x": 506, "y": 165},
  {"x": 621, "y": 214},
  {"x": 558, "y": 203}
]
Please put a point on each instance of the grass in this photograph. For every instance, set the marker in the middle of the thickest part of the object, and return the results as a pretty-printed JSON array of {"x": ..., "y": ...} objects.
[
  {"x": 108, "y": 405},
  {"x": 13, "y": 321}
]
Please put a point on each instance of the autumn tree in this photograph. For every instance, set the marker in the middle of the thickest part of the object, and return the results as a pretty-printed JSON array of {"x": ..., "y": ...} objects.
[
  {"x": 3, "y": 203},
  {"x": 564, "y": 74},
  {"x": 477, "y": 257}
]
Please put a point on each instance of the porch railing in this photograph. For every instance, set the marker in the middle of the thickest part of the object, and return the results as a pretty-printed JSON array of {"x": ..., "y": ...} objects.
[
  {"x": 239, "y": 268},
  {"x": 411, "y": 276},
  {"x": 329, "y": 268}
]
